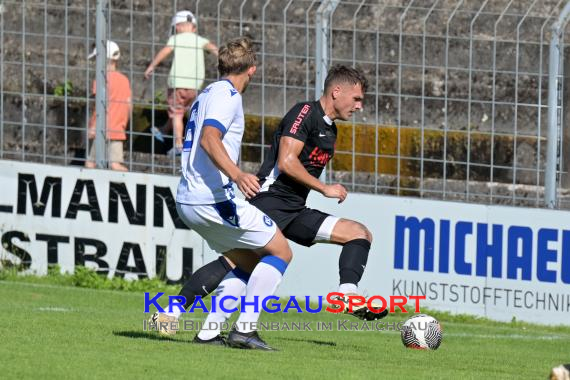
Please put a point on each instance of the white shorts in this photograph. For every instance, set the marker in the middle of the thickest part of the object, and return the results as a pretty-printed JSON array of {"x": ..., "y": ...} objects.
[{"x": 229, "y": 225}]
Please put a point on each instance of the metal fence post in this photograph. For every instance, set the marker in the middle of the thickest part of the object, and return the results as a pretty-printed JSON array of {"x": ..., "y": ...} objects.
[
  {"x": 323, "y": 32},
  {"x": 264, "y": 59},
  {"x": 101, "y": 80},
  {"x": 2, "y": 81},
  {"x": 554, "y": 119}
]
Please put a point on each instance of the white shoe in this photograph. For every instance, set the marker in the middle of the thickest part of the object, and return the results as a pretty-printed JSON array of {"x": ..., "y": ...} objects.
[{"x": 163, "y": 323}]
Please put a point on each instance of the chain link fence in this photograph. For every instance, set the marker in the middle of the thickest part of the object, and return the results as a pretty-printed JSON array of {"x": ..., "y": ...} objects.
[{"x": 457, "y": 108}]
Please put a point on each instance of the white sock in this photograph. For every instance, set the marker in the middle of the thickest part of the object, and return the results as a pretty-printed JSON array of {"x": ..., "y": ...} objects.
[
  {"x": 263, "y": 282},
  {"x": 175, "y": 310},
  {"x": 347, "y": 288},
  {"x": 231, "y": 285}
]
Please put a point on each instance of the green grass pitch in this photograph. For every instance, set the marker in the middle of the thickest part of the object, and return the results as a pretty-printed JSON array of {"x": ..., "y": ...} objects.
[{"x": 53, "y": 331}]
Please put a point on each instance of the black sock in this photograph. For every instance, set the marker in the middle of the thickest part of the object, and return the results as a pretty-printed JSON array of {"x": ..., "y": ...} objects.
[
  {"x": 352, "y": 261},
  {"x": 205, "y": 280}
]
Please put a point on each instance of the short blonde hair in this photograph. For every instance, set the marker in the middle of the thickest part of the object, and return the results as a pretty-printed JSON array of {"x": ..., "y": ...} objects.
[{"x": 236, "y": 56}]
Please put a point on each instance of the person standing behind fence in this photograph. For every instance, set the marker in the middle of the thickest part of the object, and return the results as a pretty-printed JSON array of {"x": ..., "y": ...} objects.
[
  {"x": 118, "y": 111},
  {"x": 187, "y": 72}
]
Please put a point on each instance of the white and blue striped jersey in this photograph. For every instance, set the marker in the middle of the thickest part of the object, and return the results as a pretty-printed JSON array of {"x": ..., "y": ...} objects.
[{"x": 220, "y": 106}]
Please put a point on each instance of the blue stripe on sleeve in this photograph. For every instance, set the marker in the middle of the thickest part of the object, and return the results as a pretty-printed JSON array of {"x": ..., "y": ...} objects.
[{"x": 216, "y": 124}]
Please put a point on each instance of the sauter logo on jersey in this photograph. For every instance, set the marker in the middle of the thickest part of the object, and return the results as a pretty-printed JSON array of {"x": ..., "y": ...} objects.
[
  {"x": 319, "y": 157},
  {"x": 299, "y": 119}
]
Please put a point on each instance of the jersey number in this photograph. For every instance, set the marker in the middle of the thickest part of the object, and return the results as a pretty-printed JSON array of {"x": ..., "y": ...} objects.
[{"x": 190, "y": 128}]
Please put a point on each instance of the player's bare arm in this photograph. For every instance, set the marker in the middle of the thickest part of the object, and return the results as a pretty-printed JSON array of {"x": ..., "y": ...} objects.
[
  {"x": 162, "y": 54},
  {"x": 211, "y": 142},
  {"x": 211, "y": 48},
  {"x": 288, "y": 162}
]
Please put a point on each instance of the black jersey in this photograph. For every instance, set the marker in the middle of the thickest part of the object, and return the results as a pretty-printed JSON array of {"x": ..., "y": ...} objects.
[{"x": 308, "y": 123}]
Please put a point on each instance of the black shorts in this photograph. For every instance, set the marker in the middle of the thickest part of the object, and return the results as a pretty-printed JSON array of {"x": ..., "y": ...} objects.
[{"x": 298, "y": 223}]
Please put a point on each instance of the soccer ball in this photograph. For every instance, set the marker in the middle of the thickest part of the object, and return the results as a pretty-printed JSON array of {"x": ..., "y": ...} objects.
[{"x": 422, "y": 332}]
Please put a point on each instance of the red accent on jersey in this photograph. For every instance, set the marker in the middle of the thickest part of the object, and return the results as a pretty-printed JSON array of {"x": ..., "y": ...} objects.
[
  {"x": 319, "y": 158},
  {"x": 299, "y": 119}
]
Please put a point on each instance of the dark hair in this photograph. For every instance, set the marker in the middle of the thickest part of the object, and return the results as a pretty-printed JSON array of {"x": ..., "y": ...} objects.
[
  {"x": 344, "y": 74},
  {"x": 236, "y": 56}
]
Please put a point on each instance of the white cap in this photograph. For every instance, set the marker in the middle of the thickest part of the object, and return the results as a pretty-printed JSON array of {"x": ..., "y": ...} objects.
[
  {"x": 113, "y": 51},
  {"x": 183, "y": 16}
]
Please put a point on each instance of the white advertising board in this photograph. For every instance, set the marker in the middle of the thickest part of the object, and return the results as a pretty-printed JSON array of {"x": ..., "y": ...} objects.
[
  {"x": 492, "y": 261},
  {"x": 121, "y": 224}
]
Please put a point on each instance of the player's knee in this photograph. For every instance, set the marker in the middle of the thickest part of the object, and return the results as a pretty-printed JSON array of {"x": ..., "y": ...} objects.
[
  {"x": 361, "y": 232},
  {"x": 286, "y": 254},
  {"x": 280, "y": 248},
  {"x": 368, "y": 235}
]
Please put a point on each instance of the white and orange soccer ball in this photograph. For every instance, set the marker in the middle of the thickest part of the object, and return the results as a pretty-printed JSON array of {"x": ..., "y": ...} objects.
[{"x": 422, "y": 332}]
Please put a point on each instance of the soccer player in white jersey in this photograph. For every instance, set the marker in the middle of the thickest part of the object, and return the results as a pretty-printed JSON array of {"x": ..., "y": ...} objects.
[
  {"x": 205, "y": 199},
  {"x": 303, "y": 144}
]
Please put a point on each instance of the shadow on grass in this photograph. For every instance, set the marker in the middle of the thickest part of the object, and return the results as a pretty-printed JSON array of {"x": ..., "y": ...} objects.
[
  {"x": 312, "y": 341},
  {"x": 153, "y": 336},
  {"x": 145, "y": 335}
]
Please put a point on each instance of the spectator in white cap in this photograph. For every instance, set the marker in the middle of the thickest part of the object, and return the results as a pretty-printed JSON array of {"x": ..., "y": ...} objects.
[
  {"x": 113, "y": 52},
  {"x": 187, "y": 72},
  {"x": 118, "y": 111}
]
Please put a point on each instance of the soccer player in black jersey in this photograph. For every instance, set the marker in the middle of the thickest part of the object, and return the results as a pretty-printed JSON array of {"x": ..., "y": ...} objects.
[{"x": 302, "y": 146}]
